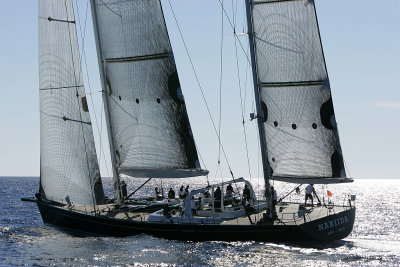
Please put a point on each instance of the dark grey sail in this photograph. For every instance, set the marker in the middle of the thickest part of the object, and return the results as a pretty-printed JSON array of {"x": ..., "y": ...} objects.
[
  {"x": 299, "y": 122},
  {"x": 148, "y": 121},
  {"x": 68, "y": 165}
]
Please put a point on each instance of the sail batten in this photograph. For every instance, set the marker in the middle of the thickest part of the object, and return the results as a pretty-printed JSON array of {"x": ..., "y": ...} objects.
[
  {"x": 151, "y": 129},
  {"x": 299, "y": 123}
]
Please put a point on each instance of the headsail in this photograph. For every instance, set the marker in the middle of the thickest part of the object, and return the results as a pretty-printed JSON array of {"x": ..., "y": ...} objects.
[
  {"x": 150, "y": 126},
  {"x": 300, "y": 127},
  {"x": 68, "y": 164}
]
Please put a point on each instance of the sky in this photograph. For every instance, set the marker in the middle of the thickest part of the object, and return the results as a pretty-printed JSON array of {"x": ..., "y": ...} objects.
[{"x": 361, "y": 40}]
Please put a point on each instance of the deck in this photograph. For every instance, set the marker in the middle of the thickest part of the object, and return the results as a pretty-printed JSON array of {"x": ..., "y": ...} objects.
[{"x": 287, "y": 213}]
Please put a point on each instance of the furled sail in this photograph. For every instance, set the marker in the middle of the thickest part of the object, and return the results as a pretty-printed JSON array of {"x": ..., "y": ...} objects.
[
  {"x": 68, "y": 166},
  {"x": 150, "y": 127},
  {"x": 299, "y": 122}
]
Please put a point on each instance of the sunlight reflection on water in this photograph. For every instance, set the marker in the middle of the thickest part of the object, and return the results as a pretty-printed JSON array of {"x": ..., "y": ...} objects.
[{"x": 374, "y": 241}]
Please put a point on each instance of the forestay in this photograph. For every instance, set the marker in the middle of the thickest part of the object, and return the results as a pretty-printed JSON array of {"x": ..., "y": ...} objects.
[
  {"x": 68, "y": 165},
  {"x": 300, "y": 126},
  {"x": 150, "y": 127}
]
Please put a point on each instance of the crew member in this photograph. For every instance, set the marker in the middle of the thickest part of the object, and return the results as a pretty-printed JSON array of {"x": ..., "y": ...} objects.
[
  {"x": 158, "y": 194},
  {"x": 124, "y": 190},
  {"x": 182, "y": 192},
  {"x": 246, "y": 193},
  {"x": 309, "y": 191},
  {"x": 171, "y": 193}
]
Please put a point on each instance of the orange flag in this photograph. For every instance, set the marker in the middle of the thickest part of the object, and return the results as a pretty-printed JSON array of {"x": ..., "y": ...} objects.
[{"x": 329, "y": 193}]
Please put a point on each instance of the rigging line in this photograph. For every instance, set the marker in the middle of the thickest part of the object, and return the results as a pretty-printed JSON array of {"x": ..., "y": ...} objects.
[
  {"x": 248, "y": 69},
  {"x": 233, "y": 28},
  {"x": 344, "y": 162},
  {"x": 216, "y": 171},
  {"x": 79, "y": 106},
  {"x": 233, "y": 14},
  {"x": 199, "y": 85},
  {"x": 258, "y": 156},
  {"x": 201, "y": 158},
  {"x": 109, "y": 8},
  {"x": 100, "y": 139},
  {"x": 83, "y": 35},
  {"x": 93, "y": 92},
  {"x": 220, "y": 85},
  {"x": 245, "y": 86},
  {"x": 241, "y": 100},
  {"x": 346, "y": 167},
  {"x": 87, "y": 75}
]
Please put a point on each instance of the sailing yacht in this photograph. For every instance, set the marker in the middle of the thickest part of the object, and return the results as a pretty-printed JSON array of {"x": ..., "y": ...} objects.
[{"x": 150, "y": 134}]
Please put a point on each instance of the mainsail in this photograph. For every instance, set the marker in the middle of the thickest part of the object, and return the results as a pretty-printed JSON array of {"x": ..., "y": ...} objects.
[
  {"x": 298, "y": 117},
  {"x": 149, "y": 126},
  {"x": 68, "y": 165}
]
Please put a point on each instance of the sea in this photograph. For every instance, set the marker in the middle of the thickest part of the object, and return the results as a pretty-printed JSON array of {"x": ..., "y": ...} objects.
[{"x": 26, "y": 241}]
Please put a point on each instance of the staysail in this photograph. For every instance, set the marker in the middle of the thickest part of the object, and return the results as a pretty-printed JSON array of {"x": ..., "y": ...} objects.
[
  {"x": 298, "y": 117},
  {"x": 151, "y": 132},
  {"x": 68, "y": 165}
]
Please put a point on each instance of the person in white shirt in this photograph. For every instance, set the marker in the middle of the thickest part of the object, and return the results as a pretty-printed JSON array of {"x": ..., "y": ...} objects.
[{"x": 309, "y": 191}]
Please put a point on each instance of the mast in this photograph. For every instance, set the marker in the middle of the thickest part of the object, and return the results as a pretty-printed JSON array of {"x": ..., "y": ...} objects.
[
  {"x": 260, "y": 115},
  {"x": 116, "y": 177}
]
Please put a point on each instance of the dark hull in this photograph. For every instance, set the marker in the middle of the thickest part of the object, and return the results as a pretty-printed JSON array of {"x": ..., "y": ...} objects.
[{"x": 311, "y": 231}]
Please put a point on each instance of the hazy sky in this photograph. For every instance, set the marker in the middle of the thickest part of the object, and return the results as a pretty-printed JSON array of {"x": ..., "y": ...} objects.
[{"x": 361, "y": 40}]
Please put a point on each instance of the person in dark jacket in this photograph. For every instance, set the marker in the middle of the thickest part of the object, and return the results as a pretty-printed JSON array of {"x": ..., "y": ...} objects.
[
  {"x": 217, "y": 198},
  {"x": 171, "y": 193},
  {"x": 246, "y": 193},
  {"x": 124, "y": 190}
]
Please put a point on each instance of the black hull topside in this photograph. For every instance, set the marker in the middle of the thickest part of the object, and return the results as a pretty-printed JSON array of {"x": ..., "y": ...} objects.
[{"x": 333, "y": 227}]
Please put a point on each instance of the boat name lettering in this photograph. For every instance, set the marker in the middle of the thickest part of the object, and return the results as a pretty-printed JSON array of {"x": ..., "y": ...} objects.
[{"x": 333, "y": 223}]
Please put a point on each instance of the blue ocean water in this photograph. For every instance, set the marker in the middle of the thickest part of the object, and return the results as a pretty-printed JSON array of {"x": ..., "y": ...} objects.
[{"x": 25, "y": 240}]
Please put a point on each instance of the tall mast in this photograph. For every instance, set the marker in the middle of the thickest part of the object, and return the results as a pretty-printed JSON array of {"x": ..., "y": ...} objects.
[
  {"x": 116, "y": 178},
  {"x": 260, "y": 115}
]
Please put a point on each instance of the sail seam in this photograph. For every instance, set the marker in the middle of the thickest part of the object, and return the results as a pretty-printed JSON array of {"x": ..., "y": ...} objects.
[
  {"x": 273, "y": 2},
  {"x": 137, "y": 58},
  {"x": 287, "y": 84},
  {"x": 313, "y": 180}
]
